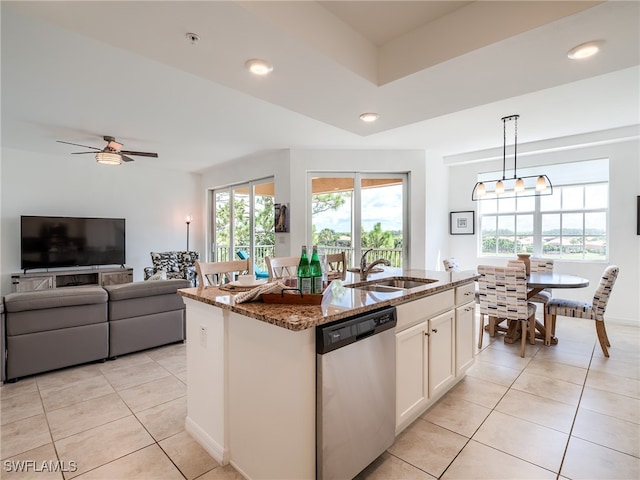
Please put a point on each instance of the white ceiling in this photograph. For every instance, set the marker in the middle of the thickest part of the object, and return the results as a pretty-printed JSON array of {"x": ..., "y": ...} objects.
[{"x": 440, "y": 74}]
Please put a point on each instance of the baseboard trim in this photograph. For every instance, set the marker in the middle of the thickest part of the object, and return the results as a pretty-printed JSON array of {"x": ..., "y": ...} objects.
[{"x": 213, "y": 448}]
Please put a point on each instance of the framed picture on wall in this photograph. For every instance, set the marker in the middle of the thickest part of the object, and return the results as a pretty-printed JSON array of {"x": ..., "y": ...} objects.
[
  {"x": 281, "y": 217},
  {"x": 462, "y": 223}
]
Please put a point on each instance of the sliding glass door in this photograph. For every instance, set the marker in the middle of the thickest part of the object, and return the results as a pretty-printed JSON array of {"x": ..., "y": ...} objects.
[
  {"x": 355, "y": 212},
  {"x": 242, "y": 222}
]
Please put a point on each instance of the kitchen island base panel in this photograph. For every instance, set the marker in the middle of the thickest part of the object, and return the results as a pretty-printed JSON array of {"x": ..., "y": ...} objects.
[
  {"x": 207, "y": 378},
  {"x": 272, "y": 399}
]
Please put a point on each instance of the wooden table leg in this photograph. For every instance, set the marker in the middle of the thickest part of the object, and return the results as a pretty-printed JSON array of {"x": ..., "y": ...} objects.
[{"x": 541, "y": 330}]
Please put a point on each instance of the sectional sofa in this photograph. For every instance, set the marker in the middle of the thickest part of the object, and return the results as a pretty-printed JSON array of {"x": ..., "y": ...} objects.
[{"x": 51, "y": 329}]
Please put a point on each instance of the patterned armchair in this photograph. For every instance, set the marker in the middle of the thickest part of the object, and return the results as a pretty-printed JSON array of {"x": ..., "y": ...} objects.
[{"x": 174, "y": 264}]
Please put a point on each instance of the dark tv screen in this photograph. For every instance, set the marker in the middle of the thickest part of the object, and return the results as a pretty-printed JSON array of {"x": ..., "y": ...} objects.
[{"x": 47, "y": 242}]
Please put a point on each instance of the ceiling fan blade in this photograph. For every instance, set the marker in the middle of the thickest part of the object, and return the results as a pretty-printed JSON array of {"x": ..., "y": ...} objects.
[
  {"x": 78, "y": 145},
  {"x": 140, "y": 154},
  {"x": 82, "y": 153},
  {"x": 126, "y": 159}
]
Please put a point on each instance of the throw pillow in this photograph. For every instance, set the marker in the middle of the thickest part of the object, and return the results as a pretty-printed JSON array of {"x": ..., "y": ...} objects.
[{"x": 159, "y": 275}]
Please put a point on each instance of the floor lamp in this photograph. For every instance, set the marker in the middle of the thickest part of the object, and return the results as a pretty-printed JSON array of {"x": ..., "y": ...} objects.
[{"x": 188, "y": 221}]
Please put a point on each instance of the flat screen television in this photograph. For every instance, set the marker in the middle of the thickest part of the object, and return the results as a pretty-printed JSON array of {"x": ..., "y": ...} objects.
[{"x": 48, "y": 242}]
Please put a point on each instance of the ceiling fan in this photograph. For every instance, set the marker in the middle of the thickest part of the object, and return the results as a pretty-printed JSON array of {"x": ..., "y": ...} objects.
[{"x": 111, "y": 154}]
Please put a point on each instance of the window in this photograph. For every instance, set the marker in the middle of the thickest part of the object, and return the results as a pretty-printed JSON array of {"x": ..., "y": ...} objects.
[
  {"x": 243, "y": 220},
  {"x": 571, "y": 224},
  {"x": 353, "y": 212}
]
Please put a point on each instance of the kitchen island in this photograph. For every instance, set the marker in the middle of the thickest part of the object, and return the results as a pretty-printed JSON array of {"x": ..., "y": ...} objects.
[{"x": 251, "y": 386}]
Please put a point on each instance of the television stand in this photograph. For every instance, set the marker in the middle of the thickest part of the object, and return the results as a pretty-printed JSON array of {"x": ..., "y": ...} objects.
[{"x": 28, "y": 282}]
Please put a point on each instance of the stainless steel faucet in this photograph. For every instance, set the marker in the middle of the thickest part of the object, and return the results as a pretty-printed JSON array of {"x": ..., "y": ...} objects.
[{"x": 365, "y": 269}]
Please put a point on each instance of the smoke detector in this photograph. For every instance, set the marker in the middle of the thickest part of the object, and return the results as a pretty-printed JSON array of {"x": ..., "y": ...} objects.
[{"x": 193, "y": 38}]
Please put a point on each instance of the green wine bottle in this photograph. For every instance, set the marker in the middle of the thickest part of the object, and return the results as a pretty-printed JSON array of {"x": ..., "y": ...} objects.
[
  {"x": 316, "y": 271},
  {"x": 304, "y": 272}
]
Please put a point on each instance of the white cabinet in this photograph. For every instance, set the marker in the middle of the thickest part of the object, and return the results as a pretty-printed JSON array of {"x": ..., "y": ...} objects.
[
  {"x": 441, "y": 353},
  {"x": 465, "y": 333},
  {"x": 465, "y": 327},
  {"x": 425, "y": 354},
  {"x": 412, "y": 382}
]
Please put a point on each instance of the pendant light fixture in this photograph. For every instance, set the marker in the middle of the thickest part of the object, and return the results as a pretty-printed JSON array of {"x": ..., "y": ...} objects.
[{"x": 512, "y": 187}]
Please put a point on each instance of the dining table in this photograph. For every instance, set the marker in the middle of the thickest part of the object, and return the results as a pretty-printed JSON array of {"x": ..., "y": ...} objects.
[{"x": 536, "y": 282}]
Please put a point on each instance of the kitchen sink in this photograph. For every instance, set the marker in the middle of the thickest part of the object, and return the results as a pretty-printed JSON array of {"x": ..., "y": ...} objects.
[
  {"x": 391, "y": 284},
  {"x": 376, "y": 288}
]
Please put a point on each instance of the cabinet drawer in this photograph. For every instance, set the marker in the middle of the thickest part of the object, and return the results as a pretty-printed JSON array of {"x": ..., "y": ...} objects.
[
  {"x": 465, "y": 293},
  {"x": 412, "y": 313}
]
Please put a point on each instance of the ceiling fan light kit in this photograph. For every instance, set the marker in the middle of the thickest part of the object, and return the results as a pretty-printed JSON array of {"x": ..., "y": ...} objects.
[
  {"x": 528, "y": 186},
  {"x": 111, "y": 154},
  {"x": 108, "y": 158}
]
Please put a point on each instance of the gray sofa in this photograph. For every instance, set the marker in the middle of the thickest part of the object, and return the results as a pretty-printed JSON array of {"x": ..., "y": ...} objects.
[
  {"x": 51, "y": 329},
  {"x": 144, "y": 315}
]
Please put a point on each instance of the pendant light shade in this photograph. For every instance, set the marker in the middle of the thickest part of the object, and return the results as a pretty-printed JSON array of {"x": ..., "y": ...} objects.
[
  {"x": 541, "y": 183},
  {"x": 526, "y": 186}
]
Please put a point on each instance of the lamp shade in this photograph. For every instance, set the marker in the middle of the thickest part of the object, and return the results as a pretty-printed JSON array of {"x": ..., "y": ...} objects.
[{"x": 108, "y": 158}]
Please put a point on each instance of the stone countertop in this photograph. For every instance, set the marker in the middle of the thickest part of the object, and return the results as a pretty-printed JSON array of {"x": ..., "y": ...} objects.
[{"x": 338, "y": 302}]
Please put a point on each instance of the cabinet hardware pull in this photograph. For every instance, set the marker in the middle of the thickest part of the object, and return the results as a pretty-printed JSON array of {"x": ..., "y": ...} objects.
[{"x": 435, "y": 330}]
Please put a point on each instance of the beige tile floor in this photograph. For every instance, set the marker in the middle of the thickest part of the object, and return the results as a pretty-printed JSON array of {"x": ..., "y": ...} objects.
[{"x": 561, "y": 412}]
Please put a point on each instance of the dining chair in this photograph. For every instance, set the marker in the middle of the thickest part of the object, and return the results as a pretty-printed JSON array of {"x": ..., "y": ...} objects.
[
  {"x": 541, "y": 265},
  {"x": 537, "y": 265},
  {"x": 336, "y": 265},
  {"x": 503, "y": 296},
  {"x": 282, "y": 267},
  {"x": 577, "y": 309},
  {"x": 216, "y": 273},
  {"x": 451, "y": 265}
]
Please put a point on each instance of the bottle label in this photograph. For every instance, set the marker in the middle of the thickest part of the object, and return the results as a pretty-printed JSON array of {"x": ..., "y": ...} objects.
[
  {"x": 304, "y": 284},
  {"x": 317, "y": 285}
]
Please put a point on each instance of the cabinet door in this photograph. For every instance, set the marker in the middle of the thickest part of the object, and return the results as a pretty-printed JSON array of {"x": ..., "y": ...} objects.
[
  {"x": 29, "y": 284},
  {"x": 117, "y": 278},
  {"x": 411, "y": 370},
  {"x": 465, "y": 336},
  {"x": 441, "y": 349}
]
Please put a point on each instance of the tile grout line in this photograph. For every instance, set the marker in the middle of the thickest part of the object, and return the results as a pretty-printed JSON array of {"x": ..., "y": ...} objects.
[{"x": 584, "y": 384}]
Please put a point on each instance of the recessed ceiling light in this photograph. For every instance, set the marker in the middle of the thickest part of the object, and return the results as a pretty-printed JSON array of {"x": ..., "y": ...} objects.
[
  {"x": 369, "y": 117},
  {"x": 258, "y": 67},
  {"x": 584, "y": 50}
]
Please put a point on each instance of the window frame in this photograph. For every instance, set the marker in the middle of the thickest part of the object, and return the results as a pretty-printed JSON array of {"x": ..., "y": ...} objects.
[{"x": 538, "y": 214}]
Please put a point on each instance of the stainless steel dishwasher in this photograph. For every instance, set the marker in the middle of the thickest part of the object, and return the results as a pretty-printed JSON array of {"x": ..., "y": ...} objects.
[{"x": 356, "y": 392}]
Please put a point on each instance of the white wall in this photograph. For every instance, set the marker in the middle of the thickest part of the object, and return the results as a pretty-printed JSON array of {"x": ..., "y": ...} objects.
[
  {"x": 624, "y": 244},
  {"x": 153, "y": 201}
]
